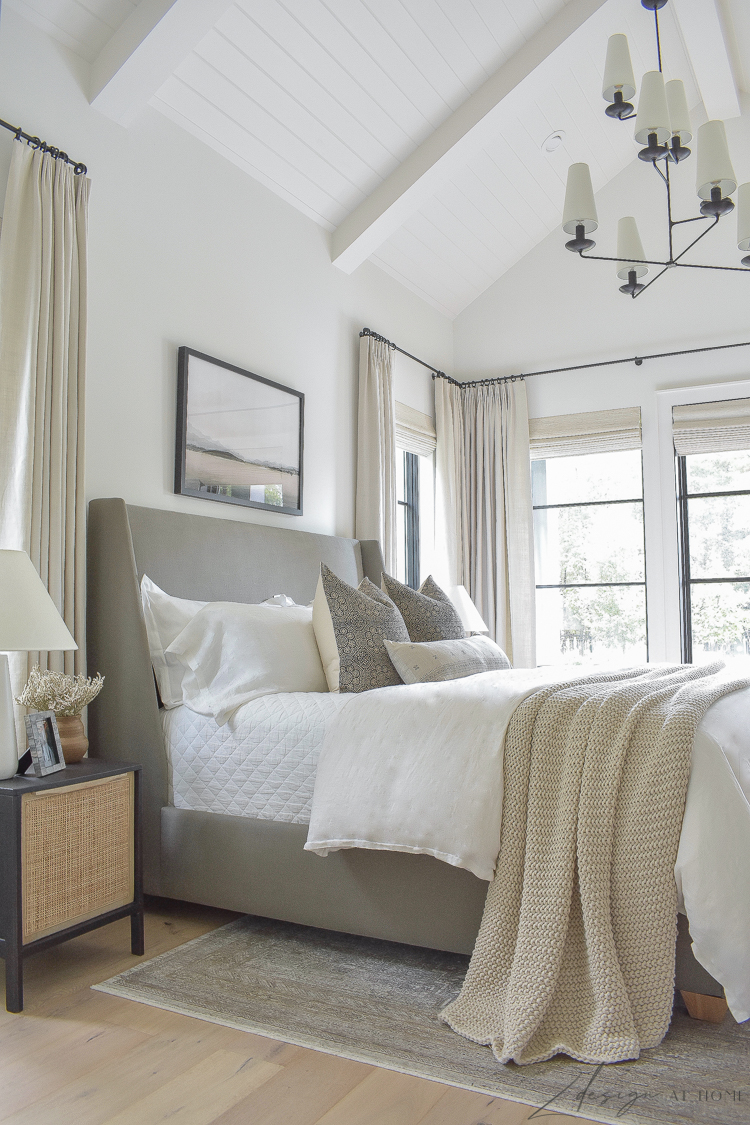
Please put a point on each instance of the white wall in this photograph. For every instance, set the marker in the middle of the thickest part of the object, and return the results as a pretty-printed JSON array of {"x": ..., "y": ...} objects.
[
  {"x": 187, "y": 249},
  {"x": 553, "y": 310}
]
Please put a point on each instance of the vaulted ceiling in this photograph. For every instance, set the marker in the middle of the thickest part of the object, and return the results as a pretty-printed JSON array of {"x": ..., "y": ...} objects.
[{"x": 413, "y": 130}]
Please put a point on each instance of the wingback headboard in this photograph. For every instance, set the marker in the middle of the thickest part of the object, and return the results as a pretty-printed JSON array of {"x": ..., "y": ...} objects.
[{"x": 189, "y": 556}]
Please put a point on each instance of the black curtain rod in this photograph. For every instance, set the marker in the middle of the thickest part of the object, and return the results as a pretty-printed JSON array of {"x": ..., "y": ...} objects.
[
  {"x": 430, "y": 367},
  {"x": 636, "y": 359},
  {"x": 35, "y": 142}
]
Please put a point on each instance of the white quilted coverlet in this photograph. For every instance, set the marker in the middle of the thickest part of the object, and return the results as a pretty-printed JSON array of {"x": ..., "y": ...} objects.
[{"x": 261, "y": 764}]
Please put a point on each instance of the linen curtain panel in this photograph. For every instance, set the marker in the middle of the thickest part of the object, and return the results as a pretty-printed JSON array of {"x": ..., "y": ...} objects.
[
  {"x": 43, "y": 289},
  {"x": 484, "y": 504},
  {"x": 375, "y": 512}
]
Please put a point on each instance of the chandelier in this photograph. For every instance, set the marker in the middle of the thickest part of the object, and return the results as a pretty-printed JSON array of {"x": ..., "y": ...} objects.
[{"x": 662, "y": 126}]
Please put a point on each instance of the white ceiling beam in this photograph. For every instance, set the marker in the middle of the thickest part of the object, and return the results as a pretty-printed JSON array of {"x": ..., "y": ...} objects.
[
  {"x": 703, "y": 36},
  {"x": 144, "y": 52},
  {"x": 374, "y": 220}
]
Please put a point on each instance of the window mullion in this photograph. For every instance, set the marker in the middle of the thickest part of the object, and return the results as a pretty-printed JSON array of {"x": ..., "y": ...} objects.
[{"x": 686, "y": 623}]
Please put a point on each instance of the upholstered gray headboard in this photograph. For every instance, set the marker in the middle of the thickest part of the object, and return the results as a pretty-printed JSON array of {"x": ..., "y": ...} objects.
[{"x": 190, "y": 557}]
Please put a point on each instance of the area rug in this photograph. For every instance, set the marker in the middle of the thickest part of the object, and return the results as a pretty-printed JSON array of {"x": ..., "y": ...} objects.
[{"x": 378, "y": 1002}]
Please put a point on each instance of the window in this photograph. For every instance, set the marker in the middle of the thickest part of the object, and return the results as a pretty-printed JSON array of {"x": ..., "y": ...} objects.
[
  {"x": 590, "y": 558},
  {"x": 714, "y": 511},
  {"x": 407, "y": 524}
]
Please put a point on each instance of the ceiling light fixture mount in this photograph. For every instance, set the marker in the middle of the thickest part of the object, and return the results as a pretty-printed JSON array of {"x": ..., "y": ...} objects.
[{"x": 662, "y": 127}]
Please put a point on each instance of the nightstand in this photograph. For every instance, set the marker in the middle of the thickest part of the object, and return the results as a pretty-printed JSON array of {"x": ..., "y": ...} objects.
[{"x": 70, "y": 860}]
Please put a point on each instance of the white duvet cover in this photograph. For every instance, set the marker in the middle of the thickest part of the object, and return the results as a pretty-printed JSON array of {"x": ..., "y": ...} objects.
[{"x": 419, "y": 769}]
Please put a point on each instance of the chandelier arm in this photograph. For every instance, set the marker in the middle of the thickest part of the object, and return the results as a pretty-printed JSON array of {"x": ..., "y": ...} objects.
[
  {"x": 651, "y": 282},
  {"x": 702, "y": 234},
  {"x": 669, "y": 189},
  {"x": 658, "y": 169},
  {"x": 700, "y": 266},
  {"x": 695, "y": 219},
  {"x": 636, "y": 261}
]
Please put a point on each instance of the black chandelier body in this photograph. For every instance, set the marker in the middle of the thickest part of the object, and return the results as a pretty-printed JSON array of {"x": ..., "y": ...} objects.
[{"x": 671, "y": 152}]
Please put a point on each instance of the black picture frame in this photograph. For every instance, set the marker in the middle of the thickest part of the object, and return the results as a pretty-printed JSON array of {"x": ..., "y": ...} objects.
[
  {"x": 44, "y": 743},
  {"x": 214, "y": 461}
]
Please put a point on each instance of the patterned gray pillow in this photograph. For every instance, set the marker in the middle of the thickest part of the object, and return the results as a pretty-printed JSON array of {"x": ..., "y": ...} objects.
[
  {"x": 362, "y": 618},
  {"x": 426, "y": 663},
  {"x": 428, "y": 612}
]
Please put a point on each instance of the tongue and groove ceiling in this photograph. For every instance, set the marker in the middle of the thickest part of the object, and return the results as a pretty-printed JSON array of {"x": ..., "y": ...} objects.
[{"x": 412, "y": 130}]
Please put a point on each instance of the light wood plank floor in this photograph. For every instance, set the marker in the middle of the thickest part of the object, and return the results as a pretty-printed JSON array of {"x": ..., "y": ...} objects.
[{"x": 77, "y": 1057}]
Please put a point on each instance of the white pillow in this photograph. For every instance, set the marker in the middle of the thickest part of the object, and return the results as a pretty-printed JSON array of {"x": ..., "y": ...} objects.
[
  {"x": 428, "y": 662},
  {"x": 233, "y": 653},
  {"x": 165, "y": 619}
]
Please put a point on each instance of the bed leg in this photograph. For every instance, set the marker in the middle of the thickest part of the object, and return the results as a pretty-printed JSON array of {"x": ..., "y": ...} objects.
[{"x": 701, "y": 1007}]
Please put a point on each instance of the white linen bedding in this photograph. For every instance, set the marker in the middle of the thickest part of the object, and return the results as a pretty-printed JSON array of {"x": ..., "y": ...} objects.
[
  {"x": 379, "y": 786},
  {"x": 419, "y": 769}
]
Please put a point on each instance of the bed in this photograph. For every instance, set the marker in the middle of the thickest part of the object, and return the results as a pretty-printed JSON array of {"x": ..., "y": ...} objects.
[{"x": 239, "y": 861}]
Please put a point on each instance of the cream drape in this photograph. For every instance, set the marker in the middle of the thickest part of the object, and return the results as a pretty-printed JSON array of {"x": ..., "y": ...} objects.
[
  {"x": 484, "y": 505},
  {"x": 42, "y": 374},
  {"x": 375, "y": 513}
]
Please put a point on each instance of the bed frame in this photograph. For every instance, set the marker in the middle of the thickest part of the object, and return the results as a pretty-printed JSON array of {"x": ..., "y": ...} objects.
[{"x": 254, "y": 866}]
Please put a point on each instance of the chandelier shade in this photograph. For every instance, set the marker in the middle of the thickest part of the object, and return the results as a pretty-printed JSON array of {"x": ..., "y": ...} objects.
[
  {"x": 629, "y": 246},
  {"x": 618, "y": 70},
  {"x": 743, "y": 217},
  {"x": 714, "y": 163},
  {"x": 653, "y": 114},
  {"x": 579, "y": 209},
  {"x": 679, "y": 117}
]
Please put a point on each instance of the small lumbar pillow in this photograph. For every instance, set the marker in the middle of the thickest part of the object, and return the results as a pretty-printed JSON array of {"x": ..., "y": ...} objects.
[
  {"x": 234, "y": 653},
  {"x": 428, "y": 612},
  {"x": 428, "y": 662},
  {"x": 350, "y": 626}
]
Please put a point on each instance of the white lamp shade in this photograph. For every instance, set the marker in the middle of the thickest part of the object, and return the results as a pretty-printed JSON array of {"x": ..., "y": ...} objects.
[
  {"x": 29, "y": 619},
  {"x": 743, "y": 217},
  {"x": 618, "y": 70},
  {"x": 579, "y": 209},
  {"x": 653, "y": 115},
  {"x": 679, "y": 117},
  {"x": 714, "y": 165},
  {"x": 629, "y": 245},
  {"x": 467, "y": 611}
]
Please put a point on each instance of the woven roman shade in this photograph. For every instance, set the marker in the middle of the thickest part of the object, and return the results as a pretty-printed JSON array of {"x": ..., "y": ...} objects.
[
  {"x": 415, "y": 431},
  {"x": 711, "y": 427},
  {"x": 595, "y": 431}
]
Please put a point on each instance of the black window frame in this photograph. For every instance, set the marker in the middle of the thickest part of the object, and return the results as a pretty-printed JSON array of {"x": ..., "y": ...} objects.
[
  {"x": 686, "y": 580},
  {"x": 599, "y": 504},
  {"x": 411, "y": 518}
]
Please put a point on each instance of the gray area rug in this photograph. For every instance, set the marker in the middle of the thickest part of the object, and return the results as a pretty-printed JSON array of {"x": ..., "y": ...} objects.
[{"x": 378, "y": 1002}]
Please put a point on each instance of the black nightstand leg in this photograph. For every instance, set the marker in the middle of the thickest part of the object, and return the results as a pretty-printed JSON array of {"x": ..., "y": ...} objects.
[
  {"x": 13, "y": 981},
  {"x": 137, "y": 936}
]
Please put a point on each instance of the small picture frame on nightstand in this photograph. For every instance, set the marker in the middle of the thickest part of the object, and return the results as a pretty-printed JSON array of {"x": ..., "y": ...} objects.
[{"x": 44, "y": 743}]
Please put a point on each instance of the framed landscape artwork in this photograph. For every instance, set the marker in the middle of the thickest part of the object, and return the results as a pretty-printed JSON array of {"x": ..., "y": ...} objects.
[{"x": 239, "y": 436}]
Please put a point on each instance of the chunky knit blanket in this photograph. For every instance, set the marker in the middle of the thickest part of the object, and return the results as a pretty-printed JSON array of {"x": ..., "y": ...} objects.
[{"x": 576, "y": 949}]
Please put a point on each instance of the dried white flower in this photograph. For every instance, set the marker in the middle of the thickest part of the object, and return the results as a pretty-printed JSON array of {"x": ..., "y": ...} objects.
[{"x": 54, "y": 691}]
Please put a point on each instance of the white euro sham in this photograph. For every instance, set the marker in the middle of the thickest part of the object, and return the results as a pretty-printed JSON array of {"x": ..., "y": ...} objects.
[{"x": 233, "y": 653}]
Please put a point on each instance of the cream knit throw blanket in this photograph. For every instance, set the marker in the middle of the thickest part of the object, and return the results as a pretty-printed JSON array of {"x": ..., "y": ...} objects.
[{"x": 577, "y": 944}]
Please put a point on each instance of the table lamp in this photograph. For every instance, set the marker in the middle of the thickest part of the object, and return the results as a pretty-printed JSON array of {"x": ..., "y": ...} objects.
[
  {"x": 467, "y": 611},
  {"x": 29, "y": 621}
]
